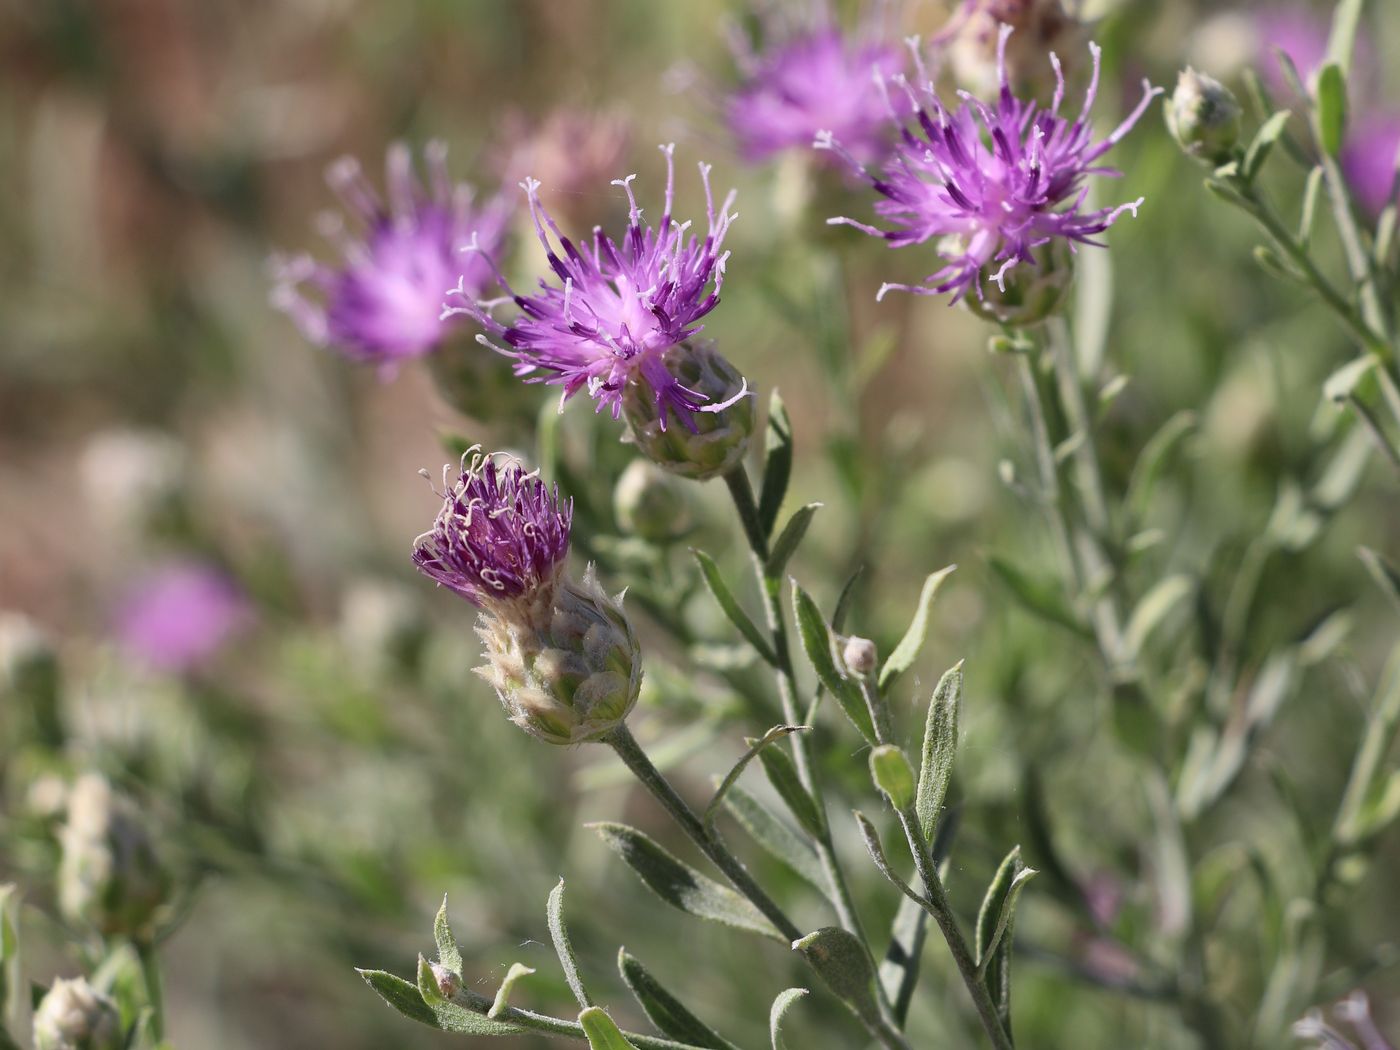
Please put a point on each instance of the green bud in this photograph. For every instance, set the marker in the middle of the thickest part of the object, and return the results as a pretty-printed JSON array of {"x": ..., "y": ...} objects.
[
  {"x": 568, "y": 669},
  {"x": 109, "y": 877},
  {"x": 1027, "y": 294},
  {"x": 719, "y": 440},
  {"x": 1204, "y": 117},
  {"x": 892, "y": 773},
  {"x": 650, "y": 503},
  {"x": 74, "y": 1016}
]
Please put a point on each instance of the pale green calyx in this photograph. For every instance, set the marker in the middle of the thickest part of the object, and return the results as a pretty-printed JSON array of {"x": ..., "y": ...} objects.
[{"x": 1028, "y": 293}]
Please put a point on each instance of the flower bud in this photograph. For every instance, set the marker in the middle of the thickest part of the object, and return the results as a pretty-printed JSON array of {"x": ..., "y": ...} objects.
[
  {"x": 1027, "y": 294},
  {"x": 1204, "y": 117},
  {"x": 860, "y": 655},
  {"x": 480, "y": 385},
  {"x": 109, "y": 876},
  {"x": 650, "y": 503},
  {"x": 701, "y": 444},
  {"x": 74, "y": 1016},
  {"x": 570, "y": 670},
  {"x": 892, "y": 773}
]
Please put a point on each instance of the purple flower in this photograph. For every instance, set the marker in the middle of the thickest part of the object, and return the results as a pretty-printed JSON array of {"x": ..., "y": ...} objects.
[
  {"x": 501, "y": 535},
  {"x": 383, "y": 303},
  {"x": 812, "y": 78},
  {"x": 180, "y": 615},
  {"x": 1302, "y": 33},
  {"x": 991, "y": 185},
  {"x": 617, "y": 307},
  {"x": 1369, "y": 157}
]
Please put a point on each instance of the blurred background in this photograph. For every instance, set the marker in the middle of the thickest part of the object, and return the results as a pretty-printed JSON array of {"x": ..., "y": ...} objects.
[{"x": 205, "y": 521}]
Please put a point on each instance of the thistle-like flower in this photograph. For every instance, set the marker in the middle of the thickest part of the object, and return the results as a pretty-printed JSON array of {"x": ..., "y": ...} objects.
[
  {"x": 992, "y": 185},
  {"x": 179, "y": 616},
  {"x": 562, "y": 656},
  {"x": 383, "y": 303},
  {"x": 809, "y": 77},
  {"x": 75, "y": 1016},
  {"x": 619, "y": 322},
  {"x": 1369, "y": 159}
]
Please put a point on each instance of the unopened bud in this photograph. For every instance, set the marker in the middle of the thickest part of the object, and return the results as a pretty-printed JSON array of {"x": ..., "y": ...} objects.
[
  {"x": 650, "y": 503},
  {"x": 859, "y": 655},
  {"x": 706, "y": 443},
  {"x": 75, "y": 1016},
  {"x": 1203, "y": 116},
  {"x": 448, "y": 983},
  {"x": 892, "y": 773},
  {"x": 1027, "y": 293}
]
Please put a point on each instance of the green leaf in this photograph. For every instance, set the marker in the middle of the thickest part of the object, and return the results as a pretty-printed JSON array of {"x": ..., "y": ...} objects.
[
  {"x": 892, "y": 774},
  {"x": 845, "y": 598},
  {"x": 775, "y": 836},
  {"x": 740, "y": 619},
  {"x": 451, "y": 1016},
  {"x": 602, "y": 1031},
  {"x": 448, "y": 954},
  {"x": 876, "y": 849},
  {"x": 782, "y": 774},
  {"x": 776, "y": 1015},
  {"x": 9, "y": 957},
  {"x": 501, "y": 1003},
  {"x": 1385, "y": 574},
  {"x": 843, "y": 963},
  {"x": 786, "y": 544},
  {"x": 817, "y": 642},
  {"x": 907, "y": 651},
  {"x": 899, "y": 971},
  {"x": 559, "y": 934},
  {"x": 1341, "y": 42},
  {"x": 664, "y": 1010},
  {"x": 755, "y": 746},
  {"x": 1039, "y": 595},
  {"x": 1342, "y": 383},
  {"x": 1331, "y": 108},
  {"x": 1364, "y": 785},
  {"x": 939, "y": 748},
  {"x": 1154, "y": 607},
  {"x": 777, "y": 463},
  {"x": 995, "y": 922},
  {"x": 1312, "y": 191},
  {"x": 1153, "y": 459},
  {"x": 1263, "y": 143},
  {"x": 401, "y": 995},
  {"x": 680, "y": 885}
]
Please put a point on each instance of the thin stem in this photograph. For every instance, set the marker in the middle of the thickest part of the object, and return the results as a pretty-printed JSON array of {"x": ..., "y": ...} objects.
[
  {"x": 155, "y": 996},
  {"x": 557, "y": 1025}
]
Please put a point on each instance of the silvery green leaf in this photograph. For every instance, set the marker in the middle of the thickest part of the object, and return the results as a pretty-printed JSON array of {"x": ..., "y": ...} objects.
[
  {"x": 777, "y": 463},
  {"x": 755, "y": 746},
  {"x": 995, "y": 922},
  {"x": 817, "y": 642},
  {"x": 664, "y": 1010},
  {"x": 904, "y": 654},
  {"x": 602, "y": 1030},
  {"x": 1341, "y": 42},
  {"x": 732, "y": 609},
  {"x": 1385, "y": 574},
  {"x": 787, "y": 542},
  {"x": 1153, "y": 458},
  {"x": 1343, "y": 473},
  {"x": 1331, "y": 108},
  {"x": 680, "y": 885},
  {"x": 1365, "y": 784},
  {"x": 1312, "y": 191},
  {"x": 844, "y": 964},
  {"x": 559, "y": 935},
  {"x": 448, "y": 954},
  {"x": 401, "y": 995},
  {"x": 876, "y": 849},
  {"x": 451, "y": 1016},
  {"x": 1038, "y": 595},
  {"x": 775, "y": 836},
  {"x": 782, "y": 774},
  {"x": 501, "y": 1003},
  {"x": 939, "y": 748},
  {"x": 781, "y": 1005},
  {"x": 1154, "y": 607},
  {"x": 1263, "y": 143}
]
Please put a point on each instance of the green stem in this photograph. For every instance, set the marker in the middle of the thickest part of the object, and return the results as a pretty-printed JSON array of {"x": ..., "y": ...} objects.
[
  {"x": 557, "y": 1025},
  {"x": 155, "y": 996}
]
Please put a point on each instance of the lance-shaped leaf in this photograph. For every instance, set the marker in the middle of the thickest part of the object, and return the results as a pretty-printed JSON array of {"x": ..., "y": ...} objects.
[
  {"x": 1038, "y": 595},
  {"x": 448, "y": 953},
  {"x": 1263, "y": 144},
  {"x": 994, "y": 930},
  {"x": 732, "y": 609},
  {"x": 1341, "y": 42},
  {"x": 1367, "y": 798},
  {"x": 401, "y": 995},
  {"x": 907, "y": 651},
  {"x": 939, "y": 748},
  {"x": 1153, "y": 459},
  {"x": 664, "y": 1010},
  {"x": 782, "y": 774},
  {"x": 818, "y": 644},
  {"x": 602, "y": 1030},
  {"x": 1386, "y": 575},
  {"x": 776, "y": 836},
  {"x": 755, "y": 746},
  {"x": 501, "y": 1003},
  {"x": 844, "y": 964},
  {"x": 559, "y": 934},
  {"x": 876, "y": 849},
  {"x": 680, "y": 885},
  {"x": 778, "y": 1013},
  {"x": 777, "y": 463},
  {"x": 785, "y": 546},
  {"x": 450, "y": 1015},
  {"x": 1331, "y": 108},
  {"x": 1156, "y": 604}
]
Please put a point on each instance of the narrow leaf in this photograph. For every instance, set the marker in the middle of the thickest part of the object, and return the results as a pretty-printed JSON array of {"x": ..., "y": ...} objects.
[
  {"x": 1366, "y": 768},
  {"x": 939, "y": 748},
  {"x": 1342, "y": 383},
  {"x": 776, "y": 1015},
  {"x": 755, "y": 746},
  {"x": 9, "y": 957},
  {"x": 786, "y": 544},
  {"x": 1387, "y": 577},
  {"x": 1331, "y": 108},
  {"x": 876, "y": 849},
  {"x": 1263, "y": 143},
  {"x": 907, "y": 651},
  {"x": 844, "y": 964},
  {"x": 680, "y": 885},
  {"x": 775, "y": 836},
  {"x": 501, "y": 1003},
  {"x": 1154, "y": 607},
  {"x": 817, "y": 642},
  {"x": 777, "y": 463},
  {"x": 664, "y": 1010},
  {"x": 1346, "y": 20},
  {"x": 782, "y": 774},
  {"x": 844, "y": 599},
  {"x": 451, "y": 1016},
  {"x": 448, "y": 954},
  {"x": 602, "y": 1030},
  {"x": 994, "y": 931},
  {"x": 1312, "y": 190},
  {"x": 401, "y": 995},
  {"x": 740, "y": 619},
  {"x": 559, "y": 934},
  {"x": 1042, "y": 597}
]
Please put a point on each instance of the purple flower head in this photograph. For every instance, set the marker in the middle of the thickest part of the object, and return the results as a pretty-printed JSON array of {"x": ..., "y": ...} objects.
[
  {"x": 501, "y": 535},
  {"x": 1302, "y": 33},
  {"x": 809, "y": 78},
  {"x": 1369, "y": 159},
  {"x": 617, "y": 307},
  {"x": 991, "y": 184},
  {"x": 180, "y": 615},
  {"x": 383, "y": 302}
]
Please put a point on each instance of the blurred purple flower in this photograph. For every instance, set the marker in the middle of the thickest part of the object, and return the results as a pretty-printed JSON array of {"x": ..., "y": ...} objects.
[
  {"x": 1368, "y": 159},
  {"x": 1302, "y": 33},
  {"x": 618, "y": 307},
  {"x": 991, "y": 184},
  {"x": 502, "y": 535},
  {"x": 811, "y": 77},
  {"x": 383, "y": 302},
  {"x": 180, "y": 615}
]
